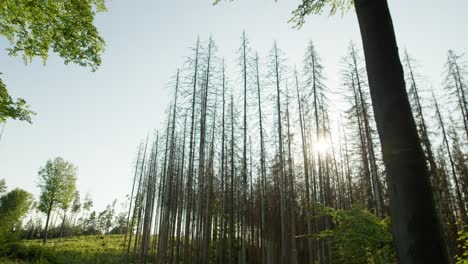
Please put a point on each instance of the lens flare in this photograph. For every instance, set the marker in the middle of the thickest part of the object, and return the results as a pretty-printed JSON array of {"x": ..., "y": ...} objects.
[{"x": 321, "y": 147}]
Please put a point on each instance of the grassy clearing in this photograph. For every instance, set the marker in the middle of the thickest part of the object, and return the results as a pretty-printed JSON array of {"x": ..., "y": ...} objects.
[{"x": 71, "y": 250}]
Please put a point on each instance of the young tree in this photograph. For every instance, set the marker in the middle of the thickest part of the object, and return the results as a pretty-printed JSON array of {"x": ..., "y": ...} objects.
[
  {"x": 13, "y": 207},
  {"x": 87, "y": 205},
  {"x": 75, "y": 208},
  {"x": 57, "y": 182},
  {"x": 360, "y": 237}
]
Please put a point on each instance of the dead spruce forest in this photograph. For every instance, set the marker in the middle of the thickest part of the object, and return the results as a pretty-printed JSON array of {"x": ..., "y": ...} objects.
[
  {"x": 258, "y": 160},
  {"x": 261, "y": 166}
]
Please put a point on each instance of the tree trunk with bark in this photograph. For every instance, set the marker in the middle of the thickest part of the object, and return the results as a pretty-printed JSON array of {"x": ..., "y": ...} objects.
[{"x": 414, "y": 219}]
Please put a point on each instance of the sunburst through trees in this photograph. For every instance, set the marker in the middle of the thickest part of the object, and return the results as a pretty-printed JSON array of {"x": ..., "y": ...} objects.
[{"x": 249, "y": 166}]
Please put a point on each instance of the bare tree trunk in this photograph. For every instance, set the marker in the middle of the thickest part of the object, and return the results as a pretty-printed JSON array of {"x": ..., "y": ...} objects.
[
  {"x": 410, "y": 193},
  {"x": 292, "y": 207},
  {"x": 244, "y": 151},
  {"x": 201, "y": 157},
  {"x": 131, "y": 200},
  {"x": 262, "y": 169},
  {"x": 424, "y": 137},
  {"x": 191, "y": 161},
  {"x": 46, "y": 229},
  {"x": 284, "y": 253},
  {"x": 306, "y": 173},
  {"x": 222, "y": 240},
  {"x": 232, "y": 229},
  {"x": 378, "y": 197}
]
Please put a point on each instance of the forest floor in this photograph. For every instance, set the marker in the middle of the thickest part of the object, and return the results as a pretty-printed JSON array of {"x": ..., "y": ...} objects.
[{"x": 83, "y": 249}]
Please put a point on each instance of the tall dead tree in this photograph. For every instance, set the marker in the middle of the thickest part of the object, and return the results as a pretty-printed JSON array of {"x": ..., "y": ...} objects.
[
  {"x": 189, "y": 187},
  {"x": 459, "y": 198}
]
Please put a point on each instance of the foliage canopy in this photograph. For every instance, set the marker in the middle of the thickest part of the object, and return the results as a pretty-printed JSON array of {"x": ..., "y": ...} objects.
[
  {"x": 309, "y": 7},
  {"x": 10, "y": 108},
  {"x": 33, "y": 28}
]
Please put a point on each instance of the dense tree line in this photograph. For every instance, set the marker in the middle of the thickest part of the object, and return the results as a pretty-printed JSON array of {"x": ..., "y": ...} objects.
[
  {"x": 81, "y": 219},
  {"x": 249, "y": 163},
  {"x": 58, "y": 211}
]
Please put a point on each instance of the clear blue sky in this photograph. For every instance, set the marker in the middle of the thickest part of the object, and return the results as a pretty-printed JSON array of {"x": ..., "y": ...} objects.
[{"x": 96, "y": 120}]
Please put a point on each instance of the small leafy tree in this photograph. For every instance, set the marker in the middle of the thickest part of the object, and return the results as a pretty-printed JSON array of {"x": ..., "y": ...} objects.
[
  {"x": 106, "y": 218},
  {"x": 87, "y": 205},
  {"x": 120, "y": 224},
  {"x": 57, "y": 181},
  {"x": 75, "y": 208},
  {"x": 90, "y": 225},
  {"x": 359, "y": 237},
  {"x": 13, "y": 207}
]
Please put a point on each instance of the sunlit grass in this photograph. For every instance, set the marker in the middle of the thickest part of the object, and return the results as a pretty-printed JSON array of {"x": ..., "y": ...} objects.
[{"x": 82, "y": 249}]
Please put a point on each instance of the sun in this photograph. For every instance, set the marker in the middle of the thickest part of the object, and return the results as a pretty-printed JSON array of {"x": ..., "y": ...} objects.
[{"x": 321, "y": 147}]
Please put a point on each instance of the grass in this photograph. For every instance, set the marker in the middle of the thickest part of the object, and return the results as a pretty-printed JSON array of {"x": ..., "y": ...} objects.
[{"x": 83, "y": 249}]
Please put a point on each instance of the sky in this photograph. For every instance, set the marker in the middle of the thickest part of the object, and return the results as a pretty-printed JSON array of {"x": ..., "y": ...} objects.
[{"x": 97, "y": 119}]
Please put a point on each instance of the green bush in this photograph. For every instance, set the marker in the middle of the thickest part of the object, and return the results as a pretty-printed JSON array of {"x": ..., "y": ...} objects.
[
  {"x": 463, "y": 246},
  {"x": 359, "y": 237},
  {"x": 13, "y": 207}
]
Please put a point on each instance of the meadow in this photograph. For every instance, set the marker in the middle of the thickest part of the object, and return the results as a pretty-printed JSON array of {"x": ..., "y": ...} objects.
[{"x": 83, "y": 249}]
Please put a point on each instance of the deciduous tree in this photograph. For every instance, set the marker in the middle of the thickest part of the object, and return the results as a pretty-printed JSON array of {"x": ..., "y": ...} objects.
[{"x": 57, "y": 182}]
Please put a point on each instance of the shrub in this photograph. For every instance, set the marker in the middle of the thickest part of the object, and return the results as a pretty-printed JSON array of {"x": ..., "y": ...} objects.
[
  {"x": 13, "y": 207},
  {"x": 359, "y": 237},
  {"x": 463, "y": 246}
]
